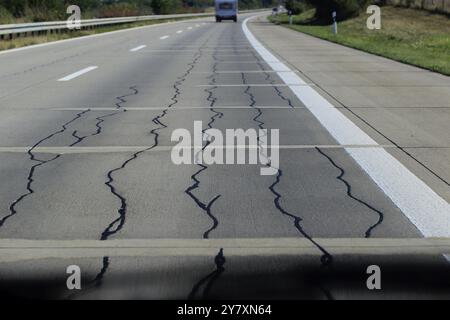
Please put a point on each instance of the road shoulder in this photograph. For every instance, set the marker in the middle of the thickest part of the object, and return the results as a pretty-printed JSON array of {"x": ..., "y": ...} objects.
[{"x": 392, "y": 102}]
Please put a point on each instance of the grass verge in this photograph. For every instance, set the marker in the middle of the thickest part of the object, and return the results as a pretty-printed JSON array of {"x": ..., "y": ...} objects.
[
  {"x": 29, "y": 40},
  {"x": 411, "y": 36}
]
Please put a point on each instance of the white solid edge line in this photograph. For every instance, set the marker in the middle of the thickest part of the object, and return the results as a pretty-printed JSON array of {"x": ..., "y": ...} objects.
[
  {"x": 163, "y": 37},
  {"x": 78, "y": 73},
  {"x": 423, "y": 207},
  {"x": 90, "y": 36},
  {"x": 138, "y": 48}
]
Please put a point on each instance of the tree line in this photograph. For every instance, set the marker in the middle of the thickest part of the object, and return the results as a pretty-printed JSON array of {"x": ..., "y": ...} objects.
[
  {"x": 44, "y": 10},
  {"x": 344, "y": 8}
]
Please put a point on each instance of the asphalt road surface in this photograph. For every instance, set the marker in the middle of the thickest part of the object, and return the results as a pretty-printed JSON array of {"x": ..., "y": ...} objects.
[{"x": 85, "y": 155}]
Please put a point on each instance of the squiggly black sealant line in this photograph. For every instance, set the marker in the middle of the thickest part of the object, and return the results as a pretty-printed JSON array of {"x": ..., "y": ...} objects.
[
  {"x": 117, "y": 224},
  {"x": 32, "y": 171},
  {"x": 256, "y": 118},
  {"x": 30, "y": 178},
  {"x": 189, "y": 191},
  {"x": 326, "y": 258},
  {"x": 350, "y": 194},
  {"x": 272, "y": 81}
]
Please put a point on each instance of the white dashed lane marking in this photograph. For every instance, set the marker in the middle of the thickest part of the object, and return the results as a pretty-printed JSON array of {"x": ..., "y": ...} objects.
[
  {"x": 78, "y": 73},
  {"x": 138, "y": 48}
]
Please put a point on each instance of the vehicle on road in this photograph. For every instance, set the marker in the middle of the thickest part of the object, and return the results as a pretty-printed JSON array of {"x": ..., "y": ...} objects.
[{"x": 226, "y": 10}]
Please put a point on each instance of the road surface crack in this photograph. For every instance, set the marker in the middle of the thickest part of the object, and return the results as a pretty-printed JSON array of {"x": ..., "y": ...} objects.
[
  {"x": 117, "y": 224},
  {"x": 101, "y": 119},
  {"x": 350, "y": 194},
  {"x": 40, "y": 162},
  {"x": 206, "y": 207},
  {"x": 326, "y": 258},
  {"x": 263, "y": 155},
  {"x": 79, "y": 139},
  {"x": 272, "y": 81}
]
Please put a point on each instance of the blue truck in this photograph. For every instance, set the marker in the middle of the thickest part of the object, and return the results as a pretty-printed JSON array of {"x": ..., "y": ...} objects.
[{"x": 226, "y": 10}]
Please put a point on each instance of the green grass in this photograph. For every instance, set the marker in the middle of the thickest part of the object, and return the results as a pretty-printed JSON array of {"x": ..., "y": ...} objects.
[
  {"x": 411, "y": 36},
  {"x": 29, "y": 40}
]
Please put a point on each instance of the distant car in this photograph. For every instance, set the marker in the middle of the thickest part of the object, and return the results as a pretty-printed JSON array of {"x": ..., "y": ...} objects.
[
  {"x": 274, "y": 10},
  {"x": 226, "y": 10}
]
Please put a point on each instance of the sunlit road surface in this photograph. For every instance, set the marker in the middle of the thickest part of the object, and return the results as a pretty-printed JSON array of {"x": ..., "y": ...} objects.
[{"x": 85, "y": 155}]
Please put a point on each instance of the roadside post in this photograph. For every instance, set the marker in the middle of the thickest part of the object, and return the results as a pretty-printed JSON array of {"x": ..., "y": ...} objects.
[
  {"x": 334, "y": 23},
  {"x": 290, "y": 16}
]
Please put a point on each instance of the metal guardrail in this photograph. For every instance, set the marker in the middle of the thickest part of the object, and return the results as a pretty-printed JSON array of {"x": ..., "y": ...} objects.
[{"x": 10, "y": 31}]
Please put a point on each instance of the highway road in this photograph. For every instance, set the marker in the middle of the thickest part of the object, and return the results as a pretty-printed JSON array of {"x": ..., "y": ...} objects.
[{"x": 85, "y": 155}]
